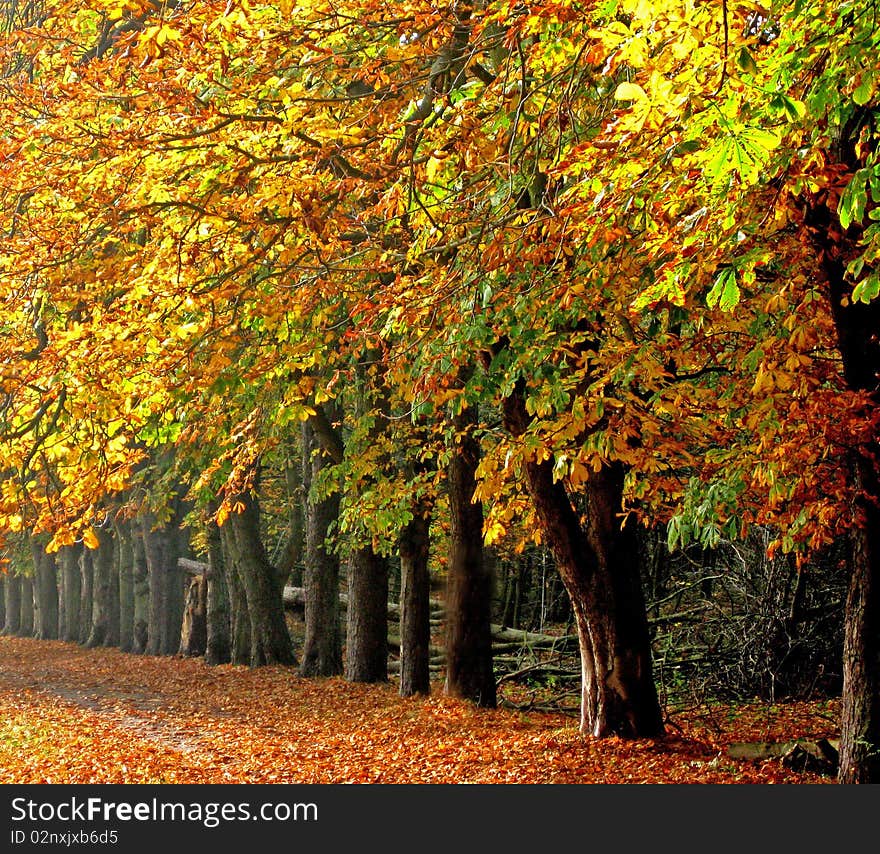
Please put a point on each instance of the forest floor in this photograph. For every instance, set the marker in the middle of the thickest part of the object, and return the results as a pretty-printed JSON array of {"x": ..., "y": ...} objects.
[{"x": 74, "y": 715}]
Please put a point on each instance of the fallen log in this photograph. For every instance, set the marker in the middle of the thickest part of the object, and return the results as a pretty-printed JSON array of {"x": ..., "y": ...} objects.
[
  {"x": 193, "y": 567},
  {"x": 295, "y": 599},
  {"x": 537, "y": 671},
  {"x": 435, "y": 652},
  {"x": 819, "y": 756},
  {"x": 503, "y": 634},
  {"x": 433, "y": 669}
]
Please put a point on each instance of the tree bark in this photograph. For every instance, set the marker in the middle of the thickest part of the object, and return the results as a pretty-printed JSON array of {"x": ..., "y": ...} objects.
[
  {"x": 45, "y": 592},
  {"x": 290, "y": 564},
  {"x": 13, "y": 604},
  {"x": 104, "y": 566},
  {"x": 71, "y": 584},
  {"x": 860, "y": 708},
  {"x": 322, "y": 647},
  {"x": 415, "y": 606},
  {"x": 86, "y": 597},
  {"x": 2, "y": 602},
  {"x": 26, "y": 623},
  {"x": 599, "y": 567},
  {"x": 366, "y": 637},
  {"x": 140, "y": 582},
  {"x": 161, "y": 547},
  {"x": 217, "y": 631},
  {"x": 270, "y": 641},
  {"x": 469, "y": 670},
  {"x": 114, "y": 603},
  {"x": 125, "y": 569},
  {"x": 240, "y": 627},
  {"x": 194, "y": 631}
]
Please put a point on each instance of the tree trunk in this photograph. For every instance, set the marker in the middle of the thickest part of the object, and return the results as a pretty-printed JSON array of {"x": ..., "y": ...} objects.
[
  {"x": 860, "y": 711},
  {"x": 860, "y": 707},
  {"x": 322, "y": 648},
  {"x": 366, "y": 638},
  {"x": 240, "y": 627},
  {"x": 415, "y": 606},
  {"x": 194, "y": 631},
  {"x": 45, "y": 592},
  {"x": 104, "y": 566},
  {"x": 269, "y": 638},
  {"x": 469, "y": 670},
  {"x": 13, "y": 605},
  {"x": 161, "y": 547},
  {"x": 125, "y": 567},
  {"x": 140, "y": 582},
  {"x": 71, "y": 584},
  {"x": 513, "y": 608},
  {"x": 599, "y": 567},
  {"x": 290, "y": 564},
  {"x": 114, "y": 603},
  {"x": 2, "y": 602},
  {"x": 26, "y": 623},
  {"x": 218, "y": 624},
  {"x": 86, "y": 590},
  {"x": 857, "y": 326}
]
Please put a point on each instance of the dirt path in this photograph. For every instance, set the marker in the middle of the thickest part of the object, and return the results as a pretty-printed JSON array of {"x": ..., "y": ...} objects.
[
  {"x": 68, "y": 714},
  {"x": 132, "y": 712}
]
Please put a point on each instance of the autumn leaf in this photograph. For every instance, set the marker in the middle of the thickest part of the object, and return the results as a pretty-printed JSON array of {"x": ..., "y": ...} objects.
[{"x": 102, "y": 716}]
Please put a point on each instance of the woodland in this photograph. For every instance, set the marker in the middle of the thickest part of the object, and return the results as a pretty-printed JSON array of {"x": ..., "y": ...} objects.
[{"x": 500, "y": 377}]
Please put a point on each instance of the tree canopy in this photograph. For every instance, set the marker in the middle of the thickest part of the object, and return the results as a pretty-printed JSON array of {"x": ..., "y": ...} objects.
[{"x": 634, "y": 237}]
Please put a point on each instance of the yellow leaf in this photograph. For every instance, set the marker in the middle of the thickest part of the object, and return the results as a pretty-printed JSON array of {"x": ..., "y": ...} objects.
[
  {"x": 494, "y": 532},
  {"x": 90, "y": 538},
  {"x": 629, "y": 92}
]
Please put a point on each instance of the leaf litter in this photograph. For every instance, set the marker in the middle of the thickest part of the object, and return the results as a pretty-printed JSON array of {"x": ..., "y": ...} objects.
[{"x": 75, "y": 715}]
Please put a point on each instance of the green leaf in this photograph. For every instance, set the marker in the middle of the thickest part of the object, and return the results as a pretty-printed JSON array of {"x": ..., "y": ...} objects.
[
  {"x": 874, "y": 183},
  {"x": 746, "y": 61},
  {"x": 853, "y": 200},
  {"x": 793, "y": 108},
  {"x": 725, "y": 291},
  {"x": 863, "y": 93},
  {"x": 762, "y": 140},
  {"x": 673, "y": 533},
  {"x": 868, "y": 289}
]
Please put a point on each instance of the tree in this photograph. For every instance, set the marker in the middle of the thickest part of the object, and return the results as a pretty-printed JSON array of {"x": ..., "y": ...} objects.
[
  {"x": 101, "y": 632},
  {"x": 13, "y": 605},
  {"x": 219, "y": 624},
  {"x": 322, "y": 648},
  {"x": 753, "y": 182},
  {"x": 415, "y": 603},
  {"x": 260, "y": 582},
  {"x": 125, "y": 564},
  {"x": 469, "y": 670},
  {"x": 45, "y": 592},
  {"x": 70, "y": 580}
]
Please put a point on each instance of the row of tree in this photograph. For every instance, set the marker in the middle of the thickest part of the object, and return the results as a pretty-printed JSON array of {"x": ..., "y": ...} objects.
[
  {"x": 538, "y": 269},
  {"x": 724, "y": 622}
]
